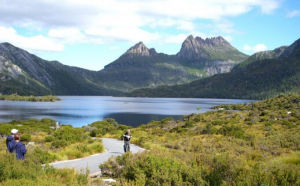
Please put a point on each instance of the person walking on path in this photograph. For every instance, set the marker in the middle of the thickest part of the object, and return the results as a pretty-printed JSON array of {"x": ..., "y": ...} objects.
[
  {"x": 10, "y": 141},
  {"x": 20, "y": 148},
  {"x": 126, "y": 139}
]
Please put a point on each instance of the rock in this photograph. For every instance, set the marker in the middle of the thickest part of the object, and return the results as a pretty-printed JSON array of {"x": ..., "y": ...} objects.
[
  {"x": 109, "y": 180},
  {"x": 140, "y": 49},
  {"x": 198, "y": 48},
  {"x": 95, "y": 174}
]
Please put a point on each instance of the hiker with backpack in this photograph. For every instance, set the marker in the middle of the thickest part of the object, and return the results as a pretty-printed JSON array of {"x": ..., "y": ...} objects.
[
  {"x": 20, "y": 148},
  {"x": 126, "y": 139},
  {"x": 10, "y": 141}
]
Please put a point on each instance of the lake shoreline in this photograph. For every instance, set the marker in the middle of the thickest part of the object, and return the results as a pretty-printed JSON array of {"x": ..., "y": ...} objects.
[
  {"x": 16, "y": 97},
  {"x": 83, "y": 110}
]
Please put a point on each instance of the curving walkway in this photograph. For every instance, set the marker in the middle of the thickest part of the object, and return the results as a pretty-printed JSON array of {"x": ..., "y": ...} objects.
[{"x": 113, "y": 148}]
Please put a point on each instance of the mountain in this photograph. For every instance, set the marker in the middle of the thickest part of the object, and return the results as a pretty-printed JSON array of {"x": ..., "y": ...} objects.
[
  {"x": 14, "y": 79},
  {"x": 209, "y": 49},
  {"x": 141, "y": 67},
  {"x": 262, "y": 75},
  {"x": 25, "y": 73},
  {"x": 140, "y": 49}
]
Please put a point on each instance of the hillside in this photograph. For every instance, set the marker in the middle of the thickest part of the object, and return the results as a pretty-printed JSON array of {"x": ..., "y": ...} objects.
[
  {"x": 256, "y": 146},
  {"x": 262, "y": 75},
  {"x": 26, "y": 74}
]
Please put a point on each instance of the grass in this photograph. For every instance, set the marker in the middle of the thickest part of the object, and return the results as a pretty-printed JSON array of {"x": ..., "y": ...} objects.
[
  {"x": 54, "y": 144},
  {"x": 260, "y": 144},
  {"x": 29, "y": 172},
  {"x": 16, "y": 97},
  {"x": 50, "y": 144},
  {"x": 257, "y": 145}
]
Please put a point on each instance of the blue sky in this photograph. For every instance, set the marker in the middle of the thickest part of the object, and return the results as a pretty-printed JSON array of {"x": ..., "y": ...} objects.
[{"x": 92, "y": 33}]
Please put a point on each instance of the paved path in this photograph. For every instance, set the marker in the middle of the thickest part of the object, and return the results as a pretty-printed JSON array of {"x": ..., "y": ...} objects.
[{"x": 113, "y": 148}]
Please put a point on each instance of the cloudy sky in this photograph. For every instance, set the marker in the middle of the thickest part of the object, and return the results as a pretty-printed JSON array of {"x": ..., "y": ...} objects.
[{"x": 93, "y": 33}]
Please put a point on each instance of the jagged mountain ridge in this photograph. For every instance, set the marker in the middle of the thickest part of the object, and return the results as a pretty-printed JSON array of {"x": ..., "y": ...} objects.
[
  {"x": 141, "y": 67},
  {"x": 215, "y": 48},
  {"x": 138, "y": 67},
  {"x": 264, "y": 74}
]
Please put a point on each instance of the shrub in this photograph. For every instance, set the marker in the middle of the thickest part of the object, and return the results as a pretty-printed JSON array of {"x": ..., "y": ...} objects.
[
  {"x": 49, "y": 138},
  {"x": 42, "y": 156},
  {"x": 232, "y": 130},
  {"x": 59, "y": 143},
  {"x": 26, "y": 137},
  {"x": 153, "y": 170},
  {"x": 30, "y": 172}
]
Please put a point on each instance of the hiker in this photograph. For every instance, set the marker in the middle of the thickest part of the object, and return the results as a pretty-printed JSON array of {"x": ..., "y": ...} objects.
[
  {"x": 126, "y": 139},
  {"x": 20, "y": 148},
  {"x": 10, "y": 141}
]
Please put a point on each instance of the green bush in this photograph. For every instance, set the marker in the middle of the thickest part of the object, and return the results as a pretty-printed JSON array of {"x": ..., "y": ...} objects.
[
  {"x": 49, "y": 138},
  {"x": 232, "y": 130},
  {"x": 30, "y": 172},
  {"x": 26, "y": 137},
  {"x": 42, "y": 156},
  {"x": 59, "y": 143},
  {"x": 153, "y": 170}
]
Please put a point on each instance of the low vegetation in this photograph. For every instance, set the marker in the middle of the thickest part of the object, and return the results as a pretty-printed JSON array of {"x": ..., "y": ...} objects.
[
  {"x": 52, "y": 144},
  {"x": 47, "y": 144},
  {"x": 30, "y": 172},
  {"x": 16, "y": 97},
  {"x": 248, "y": 144},
  {"x": 254, "y": 146}
]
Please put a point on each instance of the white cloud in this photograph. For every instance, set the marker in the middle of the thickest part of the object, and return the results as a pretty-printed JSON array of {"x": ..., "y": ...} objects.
[
  {"x": 179, "y": 38},
  {"x": 256, "y": 48},
  {"x": 176, "y": 38},
  {"x": 293, "y": 13},
  {"x": 225, "y": 26},
  {"x": 113, "y": 20},
  {"x": 69, "y": 35},
  {"x": 228, "y": 38},
  {"x": 34, "y": 43}
]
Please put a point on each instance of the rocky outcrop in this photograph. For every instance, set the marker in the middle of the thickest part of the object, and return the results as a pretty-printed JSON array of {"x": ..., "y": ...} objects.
[
  {"x": 140, "y": 49},
  {"x": 209, "y": 49},
  {"x": 8, "y": 70},
  {"x": 219, "y": 67},
  {"x": 31, "y": 64}
]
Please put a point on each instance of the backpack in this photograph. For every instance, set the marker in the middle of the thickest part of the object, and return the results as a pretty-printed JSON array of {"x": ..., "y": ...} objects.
[{"x": 12, "y": 146}]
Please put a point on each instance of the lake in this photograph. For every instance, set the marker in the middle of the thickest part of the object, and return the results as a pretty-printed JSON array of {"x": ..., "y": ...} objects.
[{"x": 83, "y": 110}]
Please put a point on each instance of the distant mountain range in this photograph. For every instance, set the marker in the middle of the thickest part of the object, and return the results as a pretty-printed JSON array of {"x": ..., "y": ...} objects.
[
  {"x": 262, "y": 75},
  {"x": 140, "y": 67},
  {"x": 143, "y": 67}
]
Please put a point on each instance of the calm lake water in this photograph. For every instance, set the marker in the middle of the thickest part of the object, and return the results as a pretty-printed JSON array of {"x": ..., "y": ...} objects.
[{"x": 83, "y": 110}]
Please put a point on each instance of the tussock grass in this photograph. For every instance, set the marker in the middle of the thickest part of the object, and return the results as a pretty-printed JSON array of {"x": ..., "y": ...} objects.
[{"x": 259, "y": 144}]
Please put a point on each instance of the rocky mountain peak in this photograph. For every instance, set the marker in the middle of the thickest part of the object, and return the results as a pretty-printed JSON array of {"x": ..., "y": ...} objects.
[
  {"x": 140, "y": 49},
  {"x": 197, "y": 48}
]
